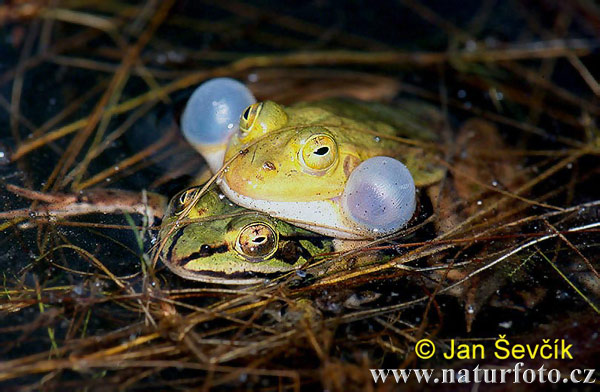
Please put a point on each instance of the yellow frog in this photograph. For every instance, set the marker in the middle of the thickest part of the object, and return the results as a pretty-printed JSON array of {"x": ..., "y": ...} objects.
[{"x": 314, "y": 164}]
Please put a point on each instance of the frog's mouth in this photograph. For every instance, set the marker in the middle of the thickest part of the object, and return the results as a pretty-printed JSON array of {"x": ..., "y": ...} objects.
[
  {"x": 197, "y": 267},
  {"x": 321, "y": 216},
  {"x": 219, "y": 277}
]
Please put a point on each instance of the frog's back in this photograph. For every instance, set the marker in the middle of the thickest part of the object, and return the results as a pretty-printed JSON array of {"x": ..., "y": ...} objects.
[{"x": 409, "y": 118}]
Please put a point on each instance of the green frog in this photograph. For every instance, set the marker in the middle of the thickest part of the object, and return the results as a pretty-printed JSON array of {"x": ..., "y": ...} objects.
[
  {"x": 307, "y": 163},
  {"x": 203, "y": 236},
  {"x": 207, "y": 238}
]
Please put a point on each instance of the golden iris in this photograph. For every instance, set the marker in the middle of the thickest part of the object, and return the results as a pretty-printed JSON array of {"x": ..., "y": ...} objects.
[
  {"x": 319, "y": 152},
  {"x": 256, "y": 242},
  {"x": 262, "y": 117}
]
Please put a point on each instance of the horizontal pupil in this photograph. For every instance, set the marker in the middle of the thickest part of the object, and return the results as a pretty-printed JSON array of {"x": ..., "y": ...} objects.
[{"x": 322, "y": 151}]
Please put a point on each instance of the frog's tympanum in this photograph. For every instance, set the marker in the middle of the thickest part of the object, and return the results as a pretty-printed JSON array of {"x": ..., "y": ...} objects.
[
  {"x": 299, "y": 163},
  {"x": 220, "y": 242}
]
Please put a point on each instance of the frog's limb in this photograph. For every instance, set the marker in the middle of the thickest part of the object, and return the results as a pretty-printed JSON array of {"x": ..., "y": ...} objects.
[
  {"x": 212, "y": 115},
  {"x": 380, "y": 195},
  {"x": 93, "y": 201}
]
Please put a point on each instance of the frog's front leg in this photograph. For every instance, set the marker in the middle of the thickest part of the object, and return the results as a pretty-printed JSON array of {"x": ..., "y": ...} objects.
[{"x": 93, "y": 201}]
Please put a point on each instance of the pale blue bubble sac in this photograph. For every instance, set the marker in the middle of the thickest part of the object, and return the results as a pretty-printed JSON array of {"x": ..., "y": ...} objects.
[
  {"x": 213, "y": 111},
  {"x": 380, "y": 195}
]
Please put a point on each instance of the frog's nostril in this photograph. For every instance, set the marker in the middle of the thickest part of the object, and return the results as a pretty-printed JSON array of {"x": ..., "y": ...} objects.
[{"x": 269, "y": 166}]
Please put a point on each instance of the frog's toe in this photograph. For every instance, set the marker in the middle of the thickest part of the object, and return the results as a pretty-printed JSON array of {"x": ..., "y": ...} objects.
[
  {"x": 213, "y": 111},
  {"x": 380, "y": 195}
]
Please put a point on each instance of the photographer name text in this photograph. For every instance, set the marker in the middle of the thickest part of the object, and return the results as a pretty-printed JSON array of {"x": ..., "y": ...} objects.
[{"x": 503, "y": 349}]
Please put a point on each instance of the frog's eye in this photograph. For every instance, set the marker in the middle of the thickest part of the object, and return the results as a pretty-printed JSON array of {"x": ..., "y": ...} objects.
[
  {"x": 380, "y": 195},
  {"x": 256, "y": 242},
  {"x": 319, "y": 152},
  {"x": 182, "y": 201},
  {"x": 212, "y": 112},
  {"x": 248, "y": 117},
  {"x": 262, "y": 117}
]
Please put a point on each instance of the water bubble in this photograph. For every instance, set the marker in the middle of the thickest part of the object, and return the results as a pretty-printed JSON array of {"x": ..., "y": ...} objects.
[
  {"x": 78, "y": 289},
  {"x": 505, "y": 324},
  {"x": 4, "y": 155}
]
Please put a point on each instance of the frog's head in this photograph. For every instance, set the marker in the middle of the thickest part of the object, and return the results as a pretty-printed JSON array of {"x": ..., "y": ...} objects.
[
  {"x": 219, "y": 242},
  {"x": 306, "y": 163},
  {"x": 301, "y": 172}
]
